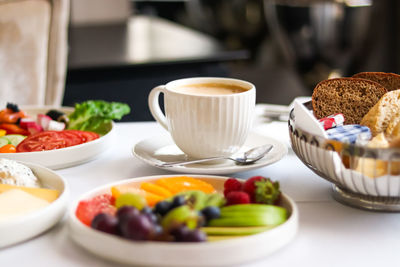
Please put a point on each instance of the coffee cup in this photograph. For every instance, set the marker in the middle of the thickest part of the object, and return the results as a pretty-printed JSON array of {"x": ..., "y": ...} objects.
[{"x": 205, "y": 116}]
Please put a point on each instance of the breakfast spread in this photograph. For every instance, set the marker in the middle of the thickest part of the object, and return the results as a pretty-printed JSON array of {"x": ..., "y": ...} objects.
[
  {"x": 185, "y": 209},
  {"x": 20, "y": 190},
  {"x": 369, "y": 102},
  {"x": 54, "y": 130}
]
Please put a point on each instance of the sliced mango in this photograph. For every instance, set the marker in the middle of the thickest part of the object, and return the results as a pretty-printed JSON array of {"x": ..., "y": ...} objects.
[
  {"x": 184, "y": 183},
  {"x": 156, "y": 189},
  {"x": 46, "y": 194}
]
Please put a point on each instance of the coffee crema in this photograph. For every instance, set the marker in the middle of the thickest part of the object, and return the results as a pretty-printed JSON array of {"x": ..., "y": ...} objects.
[{"x": 210, "y": 89}]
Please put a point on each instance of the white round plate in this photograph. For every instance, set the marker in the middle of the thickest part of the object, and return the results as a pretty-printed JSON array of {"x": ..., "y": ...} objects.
[
  {"x": 219, "y": 253},
  {"x": 25, "y": 227},
  {"x": 162, "y": 149},
  {"x": 64, "y": 157}
]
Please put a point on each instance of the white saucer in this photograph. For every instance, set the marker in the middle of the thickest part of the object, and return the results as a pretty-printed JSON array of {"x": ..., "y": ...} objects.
[{"x": 161, "y": 149}]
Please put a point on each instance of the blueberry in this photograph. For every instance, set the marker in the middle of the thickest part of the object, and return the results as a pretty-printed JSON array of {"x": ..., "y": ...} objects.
[
  {"x": 178, "y": 201},
  {"x": 147, "y": 211},
  {"x": 211, "y": 212},
  {"x": 162, "y": 207}
]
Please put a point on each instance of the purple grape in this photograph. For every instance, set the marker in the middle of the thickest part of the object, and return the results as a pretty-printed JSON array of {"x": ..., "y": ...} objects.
[
  {"x": 137, "y": 227},
  {"x": 106, "y": 223},
  {"x": 127, "y": 211},
  {"x": 179, "y": 232},
  {"x": 158, "y": 230},
  {"x": 195, "y": 235}
]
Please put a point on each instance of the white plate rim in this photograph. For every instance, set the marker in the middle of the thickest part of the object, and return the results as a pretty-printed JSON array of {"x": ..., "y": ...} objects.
[
  {"x": 210, "y": 169},
  {"x": 290, "y": 227}
]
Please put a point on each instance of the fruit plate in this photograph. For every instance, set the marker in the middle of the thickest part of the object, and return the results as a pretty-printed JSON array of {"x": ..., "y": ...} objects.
[
  {"x": 64, "y": 157},
  {"x": 21, "y": 228},
  {"x": 151, "y": 253}
]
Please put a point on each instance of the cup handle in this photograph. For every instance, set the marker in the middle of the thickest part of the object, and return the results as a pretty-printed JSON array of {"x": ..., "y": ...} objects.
[{"x": 154, "y": 105}]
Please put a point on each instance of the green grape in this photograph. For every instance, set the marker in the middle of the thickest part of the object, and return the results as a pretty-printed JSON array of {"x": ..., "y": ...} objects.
[
  {"x": 181, "y": 215},
  {"x": 129, "y": 199}
]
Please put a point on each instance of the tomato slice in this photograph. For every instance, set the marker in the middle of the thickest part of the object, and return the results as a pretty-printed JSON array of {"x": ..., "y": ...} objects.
[
  {"x": 49, "y": 140},
  {"x": 86, "y": 136}
]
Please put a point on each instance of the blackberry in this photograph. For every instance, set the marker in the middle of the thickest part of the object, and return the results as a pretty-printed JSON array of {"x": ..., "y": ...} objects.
[{"x": 13, "y": 107}]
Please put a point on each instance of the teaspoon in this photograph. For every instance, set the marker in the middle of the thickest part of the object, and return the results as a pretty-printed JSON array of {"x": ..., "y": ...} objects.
[{"x": 245, "y": 158}]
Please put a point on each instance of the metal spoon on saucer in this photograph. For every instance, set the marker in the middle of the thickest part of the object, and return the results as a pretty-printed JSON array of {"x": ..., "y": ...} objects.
[{"x": 246, "y": 158}]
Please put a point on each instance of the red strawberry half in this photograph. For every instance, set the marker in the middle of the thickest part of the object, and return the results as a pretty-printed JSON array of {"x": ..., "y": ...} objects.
[
  {"x": 232, "y": 184},
  {"x": 249, "y": 186},
  {"x": 237, "y": 197}
]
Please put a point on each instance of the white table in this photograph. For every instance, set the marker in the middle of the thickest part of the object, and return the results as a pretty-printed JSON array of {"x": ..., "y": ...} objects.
[{"x": 330, "y": 234}]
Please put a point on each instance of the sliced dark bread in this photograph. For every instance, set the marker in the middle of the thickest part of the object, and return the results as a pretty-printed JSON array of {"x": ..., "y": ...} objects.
[
  {"x": 390, "y": 81},
  {"x": 350, "y": 96}
]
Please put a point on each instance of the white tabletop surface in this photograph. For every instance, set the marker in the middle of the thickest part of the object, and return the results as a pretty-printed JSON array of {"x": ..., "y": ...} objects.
[{"x": 330, "y": 234}]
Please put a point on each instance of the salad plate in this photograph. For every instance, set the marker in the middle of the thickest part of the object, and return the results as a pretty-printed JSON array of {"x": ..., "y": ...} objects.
[
  {"x": 18, "y": 229},
  {"x": 161, "y": 149},
  {"x": 63, "y": 157},
  {"x": 225, "y": 252}
]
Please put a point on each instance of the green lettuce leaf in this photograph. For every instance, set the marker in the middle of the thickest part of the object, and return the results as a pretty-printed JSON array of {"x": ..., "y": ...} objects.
[{"x": 96, "y": 115}]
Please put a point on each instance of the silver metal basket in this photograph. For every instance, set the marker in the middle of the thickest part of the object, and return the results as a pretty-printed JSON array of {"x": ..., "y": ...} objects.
[{"x": 362, "y": 177}]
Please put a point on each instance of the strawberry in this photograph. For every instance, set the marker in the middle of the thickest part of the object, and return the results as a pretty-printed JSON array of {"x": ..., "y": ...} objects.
[
  {"x": 237, "y": 197},
  {"x": 249, "y": 186},
  {"x": 232, "y": 184},
  {"x": 267, "y": 192}
]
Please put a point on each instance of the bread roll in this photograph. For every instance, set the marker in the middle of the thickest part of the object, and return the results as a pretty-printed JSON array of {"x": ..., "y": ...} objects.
[
  {"x": 350, "y": 96},
  {"x": 375, "y": 168},
  {"x": 383, "y": 114}
]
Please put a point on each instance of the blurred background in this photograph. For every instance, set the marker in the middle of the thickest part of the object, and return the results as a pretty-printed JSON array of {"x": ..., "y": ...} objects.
[{"x": 120, "y": 49}]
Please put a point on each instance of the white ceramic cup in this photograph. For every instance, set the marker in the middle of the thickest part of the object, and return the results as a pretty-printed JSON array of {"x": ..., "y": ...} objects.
[{"x": 205, "y": 125}]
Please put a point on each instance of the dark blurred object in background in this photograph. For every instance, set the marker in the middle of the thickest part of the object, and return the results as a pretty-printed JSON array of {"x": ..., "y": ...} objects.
[
  {"x": 317, "y": 39},
  {"x": 237, "y": 24},
  {"x": 322, "y": 39}
]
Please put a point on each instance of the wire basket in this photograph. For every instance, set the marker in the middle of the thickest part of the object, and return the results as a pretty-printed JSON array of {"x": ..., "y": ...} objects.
[{"x": 362, "y": 177}]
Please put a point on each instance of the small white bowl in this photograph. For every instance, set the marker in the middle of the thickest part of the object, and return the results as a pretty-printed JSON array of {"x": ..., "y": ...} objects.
[
  {"x": 218, "y": 253},
  {"x": 64, "y": 157},
  {"x": 27, "y": 226}
]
